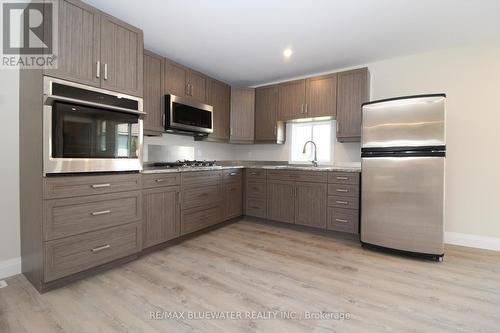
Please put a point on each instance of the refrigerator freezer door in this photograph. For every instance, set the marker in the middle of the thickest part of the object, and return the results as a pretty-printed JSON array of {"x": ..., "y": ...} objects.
[
  {"x": 402, "y": 203},
  {"x": 408, "y": 122}
]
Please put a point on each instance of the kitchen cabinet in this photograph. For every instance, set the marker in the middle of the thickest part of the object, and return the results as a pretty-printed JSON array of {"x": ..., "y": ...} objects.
[
  {"x": 310, "y": 204},
  {"x": 233, "y": 196},
  {"x": 255, "y": 193},
  {"x": 184, "y": 82},
  {"x": 161, "y": 215},
  {"x": 353, "y": 90},
  {"x": 321, "y": 96},
  {"x": 281, "y": 201},
  {"x": 343, "y": 201},
  {"x": 292, "y": 99},
  {"x": 100, "y": 50},
  {"x": 266, "y": 114},
  {"x": 79, "y": 45},
  {"x": 122, "y": 49},
  {"x": 242, "y": 115},
  {"x": 219, "y": 97},
  {"x": 153, "y": 93}
]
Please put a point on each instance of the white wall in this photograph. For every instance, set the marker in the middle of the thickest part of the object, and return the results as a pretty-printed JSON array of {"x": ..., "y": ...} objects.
[
  {"x": 469, "y": 75},
  {"x": 9, "y": 167}
]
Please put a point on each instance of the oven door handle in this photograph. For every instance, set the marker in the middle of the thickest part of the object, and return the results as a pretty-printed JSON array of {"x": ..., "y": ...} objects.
[{"x": 49, "y": 99}]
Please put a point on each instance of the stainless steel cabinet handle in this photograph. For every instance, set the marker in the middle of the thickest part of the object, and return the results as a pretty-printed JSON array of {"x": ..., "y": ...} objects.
[
  {"x": 101, "y": 212},
  {"x": 98, "y": 72},
  {"x": 306, "y": 109},
  {"x": 342, "y": 178},
  {"x": 253, "y": 173},
  {"x": 105, "y": 71},
  {"x": 191, "y": 90},
  {"x": 159, "y": 180},
  {"x": 342, "y": 202},
  {"x": 342, "y": 190},
  {"x": 233, "y": 174},
  {"x": 302, "y": 108},
  {"x": 100, "y": 248},
  {"x": 100, "y": 185},
  {"x": 341, "y": 220}
]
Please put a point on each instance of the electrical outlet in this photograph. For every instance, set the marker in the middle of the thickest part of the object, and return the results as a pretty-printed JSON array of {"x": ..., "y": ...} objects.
[{"x": 3, "y": 284}]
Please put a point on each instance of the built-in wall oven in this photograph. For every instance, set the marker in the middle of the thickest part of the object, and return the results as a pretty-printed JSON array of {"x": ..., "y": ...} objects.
[{"x": 87, "y": 129}]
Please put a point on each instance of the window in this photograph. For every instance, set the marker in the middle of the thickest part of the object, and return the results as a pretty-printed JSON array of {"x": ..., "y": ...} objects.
[{"x": 320, "y": 132}]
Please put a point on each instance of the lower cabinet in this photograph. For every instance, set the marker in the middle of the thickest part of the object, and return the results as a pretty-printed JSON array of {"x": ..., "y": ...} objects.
[
  {"x": 281, "y": 201},
  {"x": 161, "y": 215},
  {"x": 310, "y": 204},
  {"x": 233, "y": 200},
  {"x": 199, "y": 218}
]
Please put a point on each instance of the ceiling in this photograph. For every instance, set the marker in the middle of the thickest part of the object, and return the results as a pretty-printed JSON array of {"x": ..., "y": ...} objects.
[{"x": 242, "y": 41}]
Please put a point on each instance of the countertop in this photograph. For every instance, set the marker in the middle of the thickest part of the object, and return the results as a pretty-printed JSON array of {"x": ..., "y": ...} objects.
[{"x": 267, "y": 167}]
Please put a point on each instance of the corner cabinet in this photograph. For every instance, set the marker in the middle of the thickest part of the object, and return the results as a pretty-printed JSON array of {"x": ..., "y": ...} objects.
[
  {"x": 100, "y": 51},
  {"x": 153, "y": 93},
  {"x": 219, "y": 96},
  {"x": 242, "y": 115},
  {"x": 352, "y": 91}
]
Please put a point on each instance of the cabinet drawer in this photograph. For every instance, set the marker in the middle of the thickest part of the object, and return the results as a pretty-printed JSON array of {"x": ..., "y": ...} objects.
[
  {"x": 196, "y": 219},
  {"x": 256, "y": 189},
  {"x": 350, "y": 178},
  {"x": 345, "y": 220},
  {"x": 71, "y": 255},
  {"x": 343, "y": 190},
  {"x": 252, "y": 174},
  {"x": 256, "y": 207},
  {"x": 343, "y": 202},
  {"x": 201, "y": 196},
  {"x": 160, "y": 180},
  {"x": 232, "y": 176},
  {"x": 300, "y": 176},
  {"x": 69, "y": 186},
  {"x": 72, "y": 216},
  {"x": 201, "y": 178}
]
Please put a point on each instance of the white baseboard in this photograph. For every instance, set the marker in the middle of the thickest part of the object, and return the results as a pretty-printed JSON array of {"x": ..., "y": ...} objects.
[
  {"x": 10, "y": 267},
  {"x": 480, "y": 242}
]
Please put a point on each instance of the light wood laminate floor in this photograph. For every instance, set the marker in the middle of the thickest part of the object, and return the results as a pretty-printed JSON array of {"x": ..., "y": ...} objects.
[{"x": 249, "y": 266}]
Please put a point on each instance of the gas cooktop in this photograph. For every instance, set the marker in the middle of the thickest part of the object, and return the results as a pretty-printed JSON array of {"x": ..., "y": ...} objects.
[{"x": 182, "y": 164}]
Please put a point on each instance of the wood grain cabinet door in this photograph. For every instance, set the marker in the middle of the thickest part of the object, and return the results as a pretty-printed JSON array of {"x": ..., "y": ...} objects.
[
  {"x": 153, "y": 93},
  {"x": 233, "y": 200},
  {"x": 292, "y": 99},
  {"x": 321, "y": 96},
  {"x": 266, "y": 114},
  {"x": 122, "y": 48},
  {"x": 281, "y": 201},
  {"x": 161, "y": 215},
  {"x": 219, "y": 96},
  {"x": 242, "y": 115},
  {"x": 310, "y": 204},
  {"x": 352, "y": 91},
  {"x": 198, "y": 86},
  {"x": 78, "y": 43},
  {"x": 176, "y": 79}
]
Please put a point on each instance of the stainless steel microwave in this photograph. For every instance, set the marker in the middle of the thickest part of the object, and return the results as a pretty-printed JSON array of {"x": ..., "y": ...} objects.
[
  {"x": 187, "y": 116},
  {"x": 88, "y": 129}
]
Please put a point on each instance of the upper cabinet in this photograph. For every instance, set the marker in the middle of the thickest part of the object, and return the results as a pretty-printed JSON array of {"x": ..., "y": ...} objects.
[
  {"x": 184, "y": 82},
  {"x": 153, "y": 93},
  {"x": 352, "y": 91},
  {"x": 122, "y": 49},
  {"x": 97, "y": 49},
  {"x": 219, "y": 96},
  {"x": 321, "y": 96},
  {"x": 292, "y": 100},
  {"x": 266, "y": 114},
  {"x": 242, "y": 115}
]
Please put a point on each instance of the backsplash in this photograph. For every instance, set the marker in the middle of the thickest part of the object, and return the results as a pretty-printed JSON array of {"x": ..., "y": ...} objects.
[{"x": 171, "y": 147}]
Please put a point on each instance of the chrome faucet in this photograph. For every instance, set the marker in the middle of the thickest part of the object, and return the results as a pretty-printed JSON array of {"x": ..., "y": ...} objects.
[{"x": 315, "y": 160}]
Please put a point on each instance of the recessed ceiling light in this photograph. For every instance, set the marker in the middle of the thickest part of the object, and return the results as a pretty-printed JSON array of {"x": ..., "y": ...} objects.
[{"x": 287, "y": 53}]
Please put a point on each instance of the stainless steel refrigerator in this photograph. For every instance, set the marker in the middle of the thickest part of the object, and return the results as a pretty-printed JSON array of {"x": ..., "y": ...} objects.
[{"x": 403, "y": 174}]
